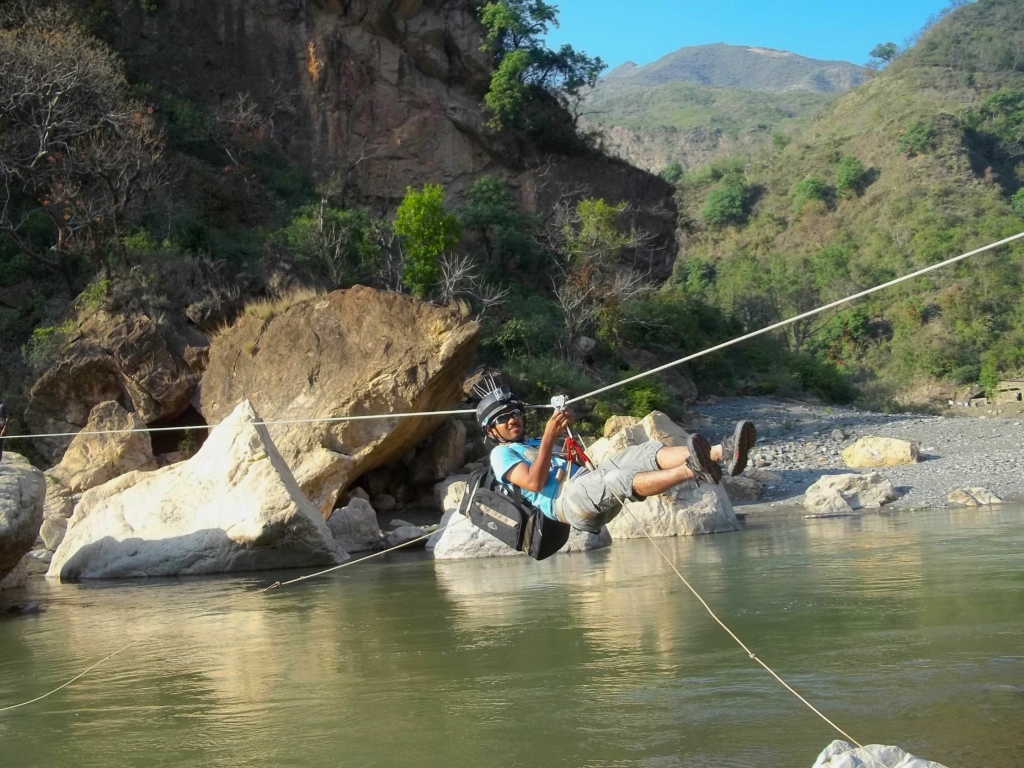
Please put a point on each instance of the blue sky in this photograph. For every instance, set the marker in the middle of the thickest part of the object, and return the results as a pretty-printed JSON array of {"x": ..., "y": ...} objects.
[{"x": 644, "y": 30}]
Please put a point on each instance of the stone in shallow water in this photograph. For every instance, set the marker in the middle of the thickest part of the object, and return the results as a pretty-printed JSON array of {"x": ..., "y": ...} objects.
[
  {"x": 844, "y": 494},
  {"x": 974, "y": 497},
  {"x": 840, "y": 754}
]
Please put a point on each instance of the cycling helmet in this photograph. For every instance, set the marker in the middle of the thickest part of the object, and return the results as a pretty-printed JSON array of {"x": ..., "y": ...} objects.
[{"x": 494, "y": 402}]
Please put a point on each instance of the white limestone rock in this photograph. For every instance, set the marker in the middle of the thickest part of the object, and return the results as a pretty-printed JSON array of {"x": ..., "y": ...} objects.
[
  {"x": 974, "y": 497},
  {"x": 234, "y": 506},
  {"x": 458, "y": 539},
  {"x": 845, "y": 494},
  {"x": 355, "y": 526},
  {"x": 686, "y": 510},
  {"x": 841, "y": 754},
  {"x": 22, "y": 495}
]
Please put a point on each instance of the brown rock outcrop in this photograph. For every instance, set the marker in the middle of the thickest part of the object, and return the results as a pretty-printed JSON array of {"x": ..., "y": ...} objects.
[
  {"x": 91, "y": 460},
  {"x": 147, "y": 360},
  {"x": 379, "y": 94},
  {"x": 349, "y": 353}
]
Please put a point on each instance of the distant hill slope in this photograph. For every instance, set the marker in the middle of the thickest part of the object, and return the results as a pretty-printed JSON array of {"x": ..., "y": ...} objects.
[
  {"x": 742, "y": 67},
  {"x": 921, "y": 163},
  {"x": 703, "y": 101}
]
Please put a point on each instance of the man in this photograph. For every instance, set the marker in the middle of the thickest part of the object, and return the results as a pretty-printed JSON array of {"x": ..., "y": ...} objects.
[
  {"x": 5, "y": 414},
  {"x": 588, "y": 499}
]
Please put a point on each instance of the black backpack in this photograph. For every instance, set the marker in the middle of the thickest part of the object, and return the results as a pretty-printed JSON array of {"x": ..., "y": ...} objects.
[{"x": 510, "y": 518}]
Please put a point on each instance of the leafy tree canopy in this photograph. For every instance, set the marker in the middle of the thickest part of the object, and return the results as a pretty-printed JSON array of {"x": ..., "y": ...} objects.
[
  {"x": 883, "y": 54},
  {"x": 427, "y": 231},
  {"x": 515, "y": 36}
]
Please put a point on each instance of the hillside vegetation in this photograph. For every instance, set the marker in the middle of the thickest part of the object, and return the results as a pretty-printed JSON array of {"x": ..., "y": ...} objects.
[
  {"x": 701, "y": 101},
  {"x": 921, "y": 163}
]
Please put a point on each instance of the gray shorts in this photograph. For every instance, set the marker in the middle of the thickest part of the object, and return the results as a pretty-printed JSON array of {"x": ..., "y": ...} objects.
[{"x": 591, "y": 498}]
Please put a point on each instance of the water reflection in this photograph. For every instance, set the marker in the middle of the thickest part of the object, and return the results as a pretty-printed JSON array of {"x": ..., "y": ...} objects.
[{"x": 907, "y": 629}]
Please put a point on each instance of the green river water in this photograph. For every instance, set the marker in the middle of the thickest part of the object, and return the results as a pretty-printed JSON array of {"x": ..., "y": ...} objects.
[{"x": 905, "y": 629}]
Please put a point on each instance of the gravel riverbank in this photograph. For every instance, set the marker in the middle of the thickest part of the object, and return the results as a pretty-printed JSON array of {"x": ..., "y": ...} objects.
[{"x": 802, "y": 441}]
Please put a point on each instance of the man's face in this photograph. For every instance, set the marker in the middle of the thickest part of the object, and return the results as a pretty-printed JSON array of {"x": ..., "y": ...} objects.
[{"x": 508, "y": 425}]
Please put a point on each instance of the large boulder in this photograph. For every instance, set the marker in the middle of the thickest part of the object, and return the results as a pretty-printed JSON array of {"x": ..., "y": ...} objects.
[
  {"x": 147, "y": 360},
  {"x": 22, "y": 491},
  {"x": 458, "y": 539},
  {"x": 686, "y": 510},
  {"x": 870, "y": 452},
  {"x": 234, "y": 506},
  {"x": 356, "y": 352},
  {"x": 845, "y": 494},
  {"x": 93, "y": 459}
]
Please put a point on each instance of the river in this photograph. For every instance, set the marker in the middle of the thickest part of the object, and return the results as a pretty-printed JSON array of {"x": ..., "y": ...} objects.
[{"x": 906, "y": 628}]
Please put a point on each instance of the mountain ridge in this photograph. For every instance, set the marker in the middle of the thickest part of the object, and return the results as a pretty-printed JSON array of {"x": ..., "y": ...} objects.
[{"x": 739, "y": 66}]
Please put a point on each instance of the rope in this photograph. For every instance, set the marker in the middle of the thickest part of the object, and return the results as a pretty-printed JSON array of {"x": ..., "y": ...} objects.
[
  {"x": 732, "y": 634},
  {"x": 319, "y": 420},
  {"x": 217, "y": 605},
  {"x": 615, "y": 385},
  {"x": 722, "y": 624}
]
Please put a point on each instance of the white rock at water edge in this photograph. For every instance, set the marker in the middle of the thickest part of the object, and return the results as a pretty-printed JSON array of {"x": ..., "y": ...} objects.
[
  {"x": 458, "y": 539},
  {"x": 974, "y": 497},
  {"x": 22, "y": 493},
  {"x": 840, "y": 754},
  {"x": 835, "y": 495},
  {"x": 234, "y": 506}
]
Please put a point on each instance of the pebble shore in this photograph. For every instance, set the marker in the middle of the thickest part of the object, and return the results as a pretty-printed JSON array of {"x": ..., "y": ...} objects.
[{"x": 802, "y": 441}]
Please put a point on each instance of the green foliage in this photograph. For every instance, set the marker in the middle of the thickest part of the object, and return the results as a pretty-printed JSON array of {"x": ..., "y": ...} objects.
[
  {"x": 919, "y": 137},
  {"x": 1017, "y": 202},
  {"x": 1004, "y": 111},
  {"x": 45, "y": 345},
  {"x": 492, "y": 213},
  {"x": 851, "y": 177},
  {"x": 810, "y": 189},
  {"x": 724, "y": 206},
  {"x": 337, "y": 245},
  {"x": 427, "y": 231},
  {"x": 515, "y": 35},
  {"x": 972, "y": 37},
  {"x": 673, "y": 172},
  {"x": 93, "y": 296},
  {"x": 883, "y": 53}
]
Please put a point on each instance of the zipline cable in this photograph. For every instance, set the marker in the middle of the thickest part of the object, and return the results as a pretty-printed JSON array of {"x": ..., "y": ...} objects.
[
  {"x": 221, "y": 603},
  {"x": 601, "y": 390},
  {"x": 573, "y": 440},
  {"x": 796, "y": 318}
]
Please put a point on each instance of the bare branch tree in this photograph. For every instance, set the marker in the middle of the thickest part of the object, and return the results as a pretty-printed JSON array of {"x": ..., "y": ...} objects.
[{"x": 74, "y": 146}]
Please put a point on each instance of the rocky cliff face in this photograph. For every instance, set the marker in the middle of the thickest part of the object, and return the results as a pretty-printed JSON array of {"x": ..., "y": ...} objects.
[{"x": 378, "y": 94}]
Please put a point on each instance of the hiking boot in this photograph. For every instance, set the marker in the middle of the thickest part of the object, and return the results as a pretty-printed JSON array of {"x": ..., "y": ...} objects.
[
  {"x": 736, "y": 447},
  {"x": 704, "y": 469}
]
